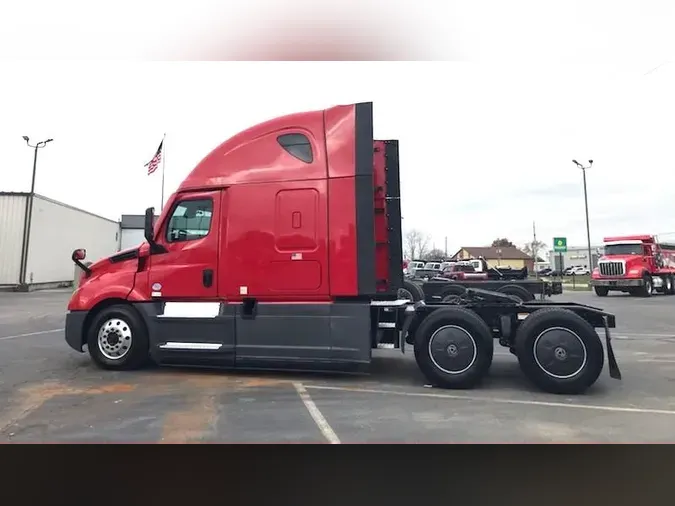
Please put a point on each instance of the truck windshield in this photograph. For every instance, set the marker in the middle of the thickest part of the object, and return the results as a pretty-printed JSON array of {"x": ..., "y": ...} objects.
[{"x": 623, "y": 249}]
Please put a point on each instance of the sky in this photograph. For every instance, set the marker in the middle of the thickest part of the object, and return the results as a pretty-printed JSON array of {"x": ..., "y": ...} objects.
[{"x": 487, "y": 139}]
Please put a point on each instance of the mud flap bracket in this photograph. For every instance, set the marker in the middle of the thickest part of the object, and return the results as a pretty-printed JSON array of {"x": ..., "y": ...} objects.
[{"x": 408, "y": 315}]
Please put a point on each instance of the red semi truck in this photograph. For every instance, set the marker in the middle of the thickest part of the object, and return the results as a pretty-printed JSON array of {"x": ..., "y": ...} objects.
[
  {"x": 282, "y": 249},
  {"x": 637, "y": 264}
]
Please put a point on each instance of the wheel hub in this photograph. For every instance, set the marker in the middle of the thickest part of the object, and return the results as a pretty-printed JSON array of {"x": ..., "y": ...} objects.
[
  {"x": 114, "y": 339},
  {"x": 452, "y": 349},
  {"x": 560, "y": 352}
]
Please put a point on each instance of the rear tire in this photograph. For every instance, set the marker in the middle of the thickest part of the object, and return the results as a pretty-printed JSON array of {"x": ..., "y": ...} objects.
[
  {"x": 452, "y": 293},
  {"x": 559, "y": 351},
  {"x": 668, "y": 287},
  {"x": 117, "y": 339},
  {"x": 601, "y": 291},
  {"x": 454, "y": 348},
  {"x": 517, "y": 291},
  {"x": 410, "y": 291}
]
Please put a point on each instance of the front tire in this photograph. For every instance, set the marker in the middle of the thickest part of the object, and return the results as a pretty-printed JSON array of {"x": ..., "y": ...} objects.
[
  {"x": 454, "y": 348},
  {"x": 601, "y": 291},
  {"x": 647, "y": 287},
  {"x": 118, "y": 339},
  {"x": 559, "y": 351}
]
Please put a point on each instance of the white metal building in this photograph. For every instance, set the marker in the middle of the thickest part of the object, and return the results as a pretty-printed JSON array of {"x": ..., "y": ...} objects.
[
  {"x": 132, "y": 230},
  {"x": 40, "y": 255},
  {"x": 575, "y": 255}
]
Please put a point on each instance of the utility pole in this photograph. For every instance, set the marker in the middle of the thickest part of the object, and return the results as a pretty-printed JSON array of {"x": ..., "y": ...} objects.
[
  {"x": 533, "y": 249},
  {"x": 446, "y": 247},
  {"x": 588, "y": 228},
  {"x": 28, "y": 213}
]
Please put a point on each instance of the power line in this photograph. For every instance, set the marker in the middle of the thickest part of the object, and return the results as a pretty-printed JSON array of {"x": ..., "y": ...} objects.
[{"x": 656, "y": 68}]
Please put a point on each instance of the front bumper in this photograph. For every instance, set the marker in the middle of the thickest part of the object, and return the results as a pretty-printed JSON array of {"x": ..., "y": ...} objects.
[
  {"x": 618, "y": 283},
  {"x": 75, "y": 329}
]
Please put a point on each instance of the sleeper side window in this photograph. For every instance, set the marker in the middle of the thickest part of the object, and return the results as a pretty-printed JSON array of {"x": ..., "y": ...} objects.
[
  {"x": 191, "y": 219},
  {"x": 297, "y": 145}
]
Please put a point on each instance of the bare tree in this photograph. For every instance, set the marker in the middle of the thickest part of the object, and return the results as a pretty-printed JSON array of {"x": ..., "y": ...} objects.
[
  {"x": 416, "y": 244},
  {"x": 502, "y": 242},
  {"x": 434, "y": 254},
  {"x": 533, "y": 249}
]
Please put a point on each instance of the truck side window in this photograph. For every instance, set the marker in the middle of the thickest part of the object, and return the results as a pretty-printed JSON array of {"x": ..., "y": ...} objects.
[
  {"x": 297, "y": 145},
  {"x": 191, "y": 219}
]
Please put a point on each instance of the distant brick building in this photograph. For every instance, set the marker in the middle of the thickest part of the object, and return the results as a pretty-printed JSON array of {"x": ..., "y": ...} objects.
[{"x": 503, "y": 255}]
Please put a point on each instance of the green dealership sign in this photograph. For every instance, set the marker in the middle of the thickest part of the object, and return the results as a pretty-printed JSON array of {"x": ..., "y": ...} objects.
[{"x": 560, "y": 244}]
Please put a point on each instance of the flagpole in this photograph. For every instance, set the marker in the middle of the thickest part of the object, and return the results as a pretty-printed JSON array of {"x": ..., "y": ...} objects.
[{"x": 163, "y": 162}]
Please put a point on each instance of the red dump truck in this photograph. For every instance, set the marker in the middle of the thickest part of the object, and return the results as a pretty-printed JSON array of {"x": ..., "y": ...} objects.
[
  {"x": 282, "y": 249},
  {"x": 636, "y": 264}
]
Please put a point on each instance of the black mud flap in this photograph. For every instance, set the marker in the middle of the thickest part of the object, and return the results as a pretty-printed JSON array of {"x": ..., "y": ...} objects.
[{"x": 614, "y": 371}]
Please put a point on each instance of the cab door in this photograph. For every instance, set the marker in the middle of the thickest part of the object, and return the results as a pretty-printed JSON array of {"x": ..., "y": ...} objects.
[
  {"x": 191, "y": 324},
  {"x": 187, "y": 270}
]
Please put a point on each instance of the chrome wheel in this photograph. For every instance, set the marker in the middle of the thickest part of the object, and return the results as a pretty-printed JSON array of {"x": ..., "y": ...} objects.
[{"x": 114, "y": 339}]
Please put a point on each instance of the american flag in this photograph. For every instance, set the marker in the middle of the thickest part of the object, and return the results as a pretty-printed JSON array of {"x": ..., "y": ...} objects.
[{"x": 154, "y": 163}]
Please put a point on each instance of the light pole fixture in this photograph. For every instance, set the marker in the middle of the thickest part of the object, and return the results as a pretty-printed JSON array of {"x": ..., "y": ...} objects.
[
  {"x": 28, "y": 213},
  {"x": 588, "y": 228}
]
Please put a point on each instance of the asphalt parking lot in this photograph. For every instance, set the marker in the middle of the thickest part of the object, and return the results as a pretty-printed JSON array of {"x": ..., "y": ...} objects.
[{"x": 50, "y": 393}]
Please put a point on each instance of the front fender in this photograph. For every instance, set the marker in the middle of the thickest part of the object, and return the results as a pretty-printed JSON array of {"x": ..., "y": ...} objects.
[{"x": 109, "y": 285}]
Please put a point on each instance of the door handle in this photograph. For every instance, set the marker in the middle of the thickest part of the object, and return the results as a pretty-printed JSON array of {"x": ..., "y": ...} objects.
[{"x": 207, "y": 278}]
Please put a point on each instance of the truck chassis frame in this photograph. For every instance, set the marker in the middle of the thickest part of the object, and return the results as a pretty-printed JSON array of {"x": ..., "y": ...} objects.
[{"x": 556, "y": 344}]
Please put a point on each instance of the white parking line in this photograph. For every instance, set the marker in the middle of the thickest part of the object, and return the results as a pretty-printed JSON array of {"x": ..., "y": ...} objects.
[
  {"x": 496, "y": 400},
  {"x": 52, "y": 331},
  {"x": 318, "y": 417},
  {"x": 628, "y": 335}
]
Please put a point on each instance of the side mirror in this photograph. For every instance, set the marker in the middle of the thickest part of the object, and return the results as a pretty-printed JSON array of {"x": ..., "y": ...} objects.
[
  {"x": 149, "y": 229},
  {"x": 77, "y": 257},
  {"x": 149, "y": 232}
]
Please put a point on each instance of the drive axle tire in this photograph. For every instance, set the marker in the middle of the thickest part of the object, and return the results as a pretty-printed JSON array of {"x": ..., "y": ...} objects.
[
  {"x": 411, "y": 291},
  {"x": 118, "y": 339},
  {"x": 454, "y": 348},
  {"x": 452, "y": 293},
  {"x": 668, "y": 287},
  {"x": 601, "y": 291},
  {"x": 559, "y": 351},
  {"x": 517, "y": 291}
]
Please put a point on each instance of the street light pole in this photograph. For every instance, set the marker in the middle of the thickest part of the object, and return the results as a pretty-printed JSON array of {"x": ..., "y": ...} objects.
[
  {"x": 588, "y": 228},
  {"x": 28, "y": 214}
]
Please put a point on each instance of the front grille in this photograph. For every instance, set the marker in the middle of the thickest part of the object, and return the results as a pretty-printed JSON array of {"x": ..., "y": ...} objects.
[{"x": 611, "y": 268}]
